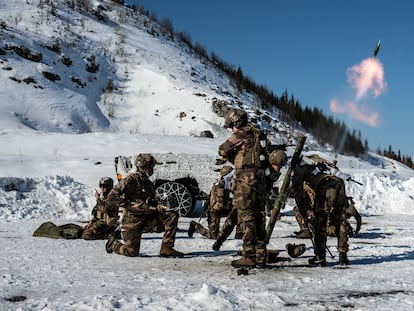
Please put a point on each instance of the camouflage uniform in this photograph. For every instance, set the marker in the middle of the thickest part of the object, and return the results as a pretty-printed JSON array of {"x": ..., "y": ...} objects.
[
  {"x": 271, "y": 177},
  {"x": 231, "y": 221},
  {"x": 304, "y": 232},
  {"x": 141, "y": 212},
  {"x": 249, "y": 193},
  {"x": 105, "y": 216},
  {"x": 349, "y": 212},
  {"x": 219, "y": 206},
  {"x": 329, "y": 207}
]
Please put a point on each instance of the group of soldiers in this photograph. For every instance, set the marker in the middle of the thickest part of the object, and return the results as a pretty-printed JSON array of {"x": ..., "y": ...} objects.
[{"x": 241, "y": 194}]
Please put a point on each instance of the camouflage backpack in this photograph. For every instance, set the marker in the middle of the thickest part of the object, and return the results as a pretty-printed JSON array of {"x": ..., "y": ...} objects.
[{"x": 50, "y": 230}]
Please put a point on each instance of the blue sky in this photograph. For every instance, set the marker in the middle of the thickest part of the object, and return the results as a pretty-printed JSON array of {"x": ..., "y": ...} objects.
[{"x": 307, "y": 48}]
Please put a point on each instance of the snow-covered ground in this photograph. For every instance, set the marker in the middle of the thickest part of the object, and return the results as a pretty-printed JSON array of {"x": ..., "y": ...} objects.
[
  {"x": 50, "y": 274},
  {"x": 57, "y": 140}
]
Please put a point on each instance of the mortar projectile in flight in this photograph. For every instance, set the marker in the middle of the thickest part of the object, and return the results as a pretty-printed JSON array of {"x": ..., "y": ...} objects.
[{"x": 377, "y": 48}]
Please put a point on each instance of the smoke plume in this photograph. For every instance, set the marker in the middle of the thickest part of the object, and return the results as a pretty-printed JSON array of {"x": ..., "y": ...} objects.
[{"x": 367, "y": 79}]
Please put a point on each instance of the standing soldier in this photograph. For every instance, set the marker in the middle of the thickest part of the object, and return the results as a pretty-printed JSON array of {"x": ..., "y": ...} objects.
[
  {"x": 329, "y": 208},
  {"x": 277, "y": 159},
  {"x": 105, "y": 216},
  {"x": 219, "y": 205},
  {"x": 136, "y": 194},
  {"x": 244, "y": 150}
]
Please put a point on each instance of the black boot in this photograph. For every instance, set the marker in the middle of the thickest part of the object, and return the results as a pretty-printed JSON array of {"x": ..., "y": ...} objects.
[
  {"x": 217, "y": 244},
  {"x": 191, "y": 229},
  {"x": 238, "y": 235},
  {"x": 108, "y": 245},
  {"x": 343, "y": 259},
  {"x": 317, "y": 261}
]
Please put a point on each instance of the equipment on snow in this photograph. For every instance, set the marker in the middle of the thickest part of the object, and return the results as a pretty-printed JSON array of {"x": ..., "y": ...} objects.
[
  {"x": 294, "y": 250},
  {"x": 243, "y": 271},
  {"x": 66, "y": 231},
  {"x": 312, "y": 238}
]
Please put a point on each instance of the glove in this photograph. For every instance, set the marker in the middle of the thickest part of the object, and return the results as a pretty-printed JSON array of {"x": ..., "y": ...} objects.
[
  {"x": 152, "y": 202},
  {"x": 331, "y": 231},
  {"x": 322, "y": 167},
  {"x": 220, "y": 161},
  {"x": 86, "y": 226},
  {"x": 140, "y": 208},
  {"x": 160, "y": 208},
  {"x": 310, "y": 215},
  {"x": 94, "y": 211},
  {"x": 282, "y": 197}
]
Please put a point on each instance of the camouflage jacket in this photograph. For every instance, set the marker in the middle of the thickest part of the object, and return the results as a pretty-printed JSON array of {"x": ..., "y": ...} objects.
[
  {"x": 241, "y": 149},
  {"x": 271, "y": 178},
  {"x": 105, "y": 211},
  {"x": 219, "y": 196},
  {"x": 312, "y": 177},
  {"x": 135, "y": 193}
]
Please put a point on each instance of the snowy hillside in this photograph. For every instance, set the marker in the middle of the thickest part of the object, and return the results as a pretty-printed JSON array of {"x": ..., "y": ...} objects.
[
  {"x": 119, "y": 90},
  {"x": 80, "y": 73}
]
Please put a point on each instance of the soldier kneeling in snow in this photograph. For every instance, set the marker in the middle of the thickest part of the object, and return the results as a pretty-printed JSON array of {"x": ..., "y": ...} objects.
[
  {"x": 219, "y": 205},
  {"x": 141, "y": 210},
  {"x": 105, "y": 216}
]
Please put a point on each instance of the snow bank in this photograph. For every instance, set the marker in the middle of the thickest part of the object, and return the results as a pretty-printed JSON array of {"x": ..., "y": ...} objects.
[{"x": 44, "y": 198}]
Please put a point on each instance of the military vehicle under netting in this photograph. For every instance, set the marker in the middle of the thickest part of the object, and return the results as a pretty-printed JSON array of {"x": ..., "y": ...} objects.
[{"x": 183, "y": 178}]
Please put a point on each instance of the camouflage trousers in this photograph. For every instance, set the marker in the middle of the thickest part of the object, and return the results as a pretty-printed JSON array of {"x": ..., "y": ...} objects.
[
  {"x": 97, "y": 230},
  {"x": 134, "y": 225},
  {"x": 299, "y": 218},
  {"x": 249, "y": 199},
  {"x": 331, "y": 229},
  {"x": 330, "y": 210},
  {"x": 229, "y": 223},
  {"x": 213, "y": 220}
]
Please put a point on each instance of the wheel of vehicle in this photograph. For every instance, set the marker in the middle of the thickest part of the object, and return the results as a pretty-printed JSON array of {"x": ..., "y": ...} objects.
[{"x": 177, "y": 193}]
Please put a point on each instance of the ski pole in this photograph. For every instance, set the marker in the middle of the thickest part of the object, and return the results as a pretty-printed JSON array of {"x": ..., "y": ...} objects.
[
  {"x": 311, "y": 229},
  {"x": 329, "y": 251},
  {"x": 357, "y": 182},
  {"x": 312, "y": 238}
]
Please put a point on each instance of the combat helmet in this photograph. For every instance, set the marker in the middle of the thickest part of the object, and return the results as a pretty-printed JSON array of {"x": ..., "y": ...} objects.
[
  {"x": 236, "y": 118},
  {"x": 144, "y": 160},
  {"x": 106, "y": 182},
  {"x": 278, "y": 157},
  {"x": 225, "y": 170}
]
